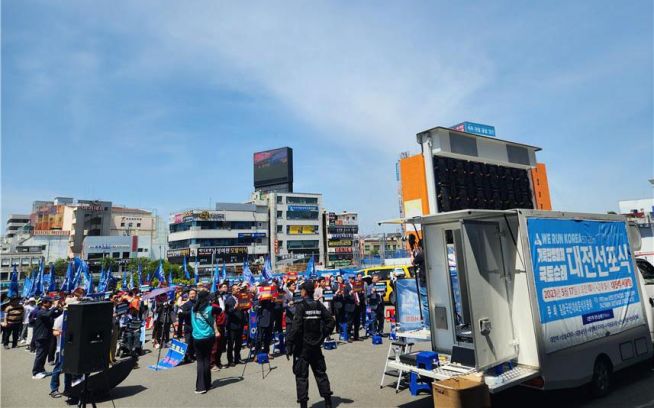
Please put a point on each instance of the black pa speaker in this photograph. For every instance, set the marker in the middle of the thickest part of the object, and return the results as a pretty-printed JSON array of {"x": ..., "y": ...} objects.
[{"x": 87, "y": 337}]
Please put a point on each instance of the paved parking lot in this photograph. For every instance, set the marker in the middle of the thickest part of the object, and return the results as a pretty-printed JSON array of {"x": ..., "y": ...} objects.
[{"x": 354, "y": 370}]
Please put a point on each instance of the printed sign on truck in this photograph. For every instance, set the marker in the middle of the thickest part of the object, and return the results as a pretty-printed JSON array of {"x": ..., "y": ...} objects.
[{"x": 585, "y": 280}]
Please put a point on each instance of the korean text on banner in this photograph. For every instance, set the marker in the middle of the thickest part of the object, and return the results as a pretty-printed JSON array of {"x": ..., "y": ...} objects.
[
  {"x": 172, "y": 359},
  {"x": 408, "y": 306},
  {"x": 585, "y": 282}
]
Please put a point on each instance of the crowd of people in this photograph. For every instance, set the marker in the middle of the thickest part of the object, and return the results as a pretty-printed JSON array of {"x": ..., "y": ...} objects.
[{"x": 216, "y": 326}]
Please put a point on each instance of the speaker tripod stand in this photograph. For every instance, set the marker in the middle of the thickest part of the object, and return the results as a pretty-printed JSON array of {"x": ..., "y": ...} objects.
[
  {"x": 252, "y": 354},
  {"x": 86, "y": 397}
]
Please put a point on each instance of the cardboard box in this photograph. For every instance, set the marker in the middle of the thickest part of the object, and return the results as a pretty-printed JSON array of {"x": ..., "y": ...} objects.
[{"x": 460, "y": 392}]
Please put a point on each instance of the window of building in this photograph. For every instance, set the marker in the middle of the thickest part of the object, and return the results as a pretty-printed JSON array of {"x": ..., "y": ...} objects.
[
  {"x": 302, "y": 200},
  {"x": 138, "y": 224},
  {"x": 115, "y": 254},
  {"x": 125, "y": 255},
  {"x": 302, "y": 215},
  {"x": 131, "y": 224},
  {"x": 280, "y": 199},
  {"x": 302, "y": 244},
  {"x": 25, "y": 261},
  {"x": 5, "y": 262},
  {"x": 122, "y": 224},
  {"x": 279, "y": 228},
  {"x": 280, "y": 214}
]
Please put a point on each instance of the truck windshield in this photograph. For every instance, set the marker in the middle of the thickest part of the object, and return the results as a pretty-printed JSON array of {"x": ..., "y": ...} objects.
[{"x": 647, "y": 270}]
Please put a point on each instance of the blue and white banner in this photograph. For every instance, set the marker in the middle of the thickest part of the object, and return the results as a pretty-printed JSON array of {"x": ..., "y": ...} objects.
[
  {"x": 174, "y": 356},
  {"x": 408, "y": 306},
  {"x": 585, "y": 281}
]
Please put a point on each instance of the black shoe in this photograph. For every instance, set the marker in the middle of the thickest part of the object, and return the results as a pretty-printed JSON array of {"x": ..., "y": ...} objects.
[
  {"x": 72, "y": 401},
  {"x": 304, "y": 404}
]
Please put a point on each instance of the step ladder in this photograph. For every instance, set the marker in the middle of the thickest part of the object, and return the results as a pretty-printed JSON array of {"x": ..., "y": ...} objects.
[{"x": 395, "y": 349}]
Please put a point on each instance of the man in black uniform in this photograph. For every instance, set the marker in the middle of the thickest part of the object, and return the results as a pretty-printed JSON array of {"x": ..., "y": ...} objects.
[{"x": 311, "y": 324}]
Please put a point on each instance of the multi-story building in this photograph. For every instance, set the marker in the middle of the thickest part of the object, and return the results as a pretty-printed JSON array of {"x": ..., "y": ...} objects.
[
  {"x": 340, "y": 242},
  {"x": 15, "y": 222},
  {"x": 296, "y": 228},
  {"x": 229, "y": 234},
  {"x": 388, "y": 245},
  {"x": 132, "y": 221},
  {"x": 122, "y": 248}
]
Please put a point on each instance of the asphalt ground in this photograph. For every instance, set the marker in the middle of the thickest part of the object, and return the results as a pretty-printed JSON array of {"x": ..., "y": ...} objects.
[{"x": 354, "y": 370}]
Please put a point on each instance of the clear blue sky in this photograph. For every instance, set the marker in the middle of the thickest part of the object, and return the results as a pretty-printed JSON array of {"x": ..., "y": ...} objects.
[{"x": 158, "y": 104}]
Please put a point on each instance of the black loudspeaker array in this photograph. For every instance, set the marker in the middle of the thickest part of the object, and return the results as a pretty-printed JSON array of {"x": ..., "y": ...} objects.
[
  {"x": 464, "y": 184},
  {"x": 87, "y": 337}
]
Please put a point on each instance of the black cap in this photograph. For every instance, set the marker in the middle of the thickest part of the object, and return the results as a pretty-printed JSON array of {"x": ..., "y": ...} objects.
[{"x": 46, "y": 299}]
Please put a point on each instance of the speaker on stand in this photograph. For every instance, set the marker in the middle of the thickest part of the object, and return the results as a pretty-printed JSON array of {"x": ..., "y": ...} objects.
[{"x": 87, "y": 339}]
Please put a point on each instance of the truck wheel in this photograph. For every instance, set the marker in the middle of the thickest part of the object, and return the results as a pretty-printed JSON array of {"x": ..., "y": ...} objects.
[{"x": 600, "y": 385}]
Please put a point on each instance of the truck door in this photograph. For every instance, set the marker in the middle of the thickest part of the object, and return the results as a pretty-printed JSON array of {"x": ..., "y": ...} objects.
[{"x": 491, "y": 323}]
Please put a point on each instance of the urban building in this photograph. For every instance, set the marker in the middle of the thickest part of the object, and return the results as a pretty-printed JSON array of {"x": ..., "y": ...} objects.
[
  {"x": 341, "y": 238},
  {"x": 228, "y": 234},
  {"x": 120, "y": 247},
  {"x": 296, "y": 226},
  {"x": 15, "y": 222},
  {"x": 388, "y": 245},
  {"x": 132, "y": 221},
  {"x": 26, "y": 258}
]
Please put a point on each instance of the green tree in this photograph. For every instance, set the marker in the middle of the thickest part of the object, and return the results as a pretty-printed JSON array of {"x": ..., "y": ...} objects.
[
  {"x": 109, "y": 261},
  {"x": 60, "y": 267}
]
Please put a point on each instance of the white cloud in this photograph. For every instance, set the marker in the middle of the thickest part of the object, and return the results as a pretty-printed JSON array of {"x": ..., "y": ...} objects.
[{"x": 365, "y": 82}]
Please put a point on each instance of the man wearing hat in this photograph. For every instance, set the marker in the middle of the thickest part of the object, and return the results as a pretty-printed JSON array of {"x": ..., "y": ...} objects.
[
  {"x": 12, "y": 322},
  {"x": 311, "y": 324},
  {"x": 43, "y": 322},
  {"x": 29, "y": 305}
]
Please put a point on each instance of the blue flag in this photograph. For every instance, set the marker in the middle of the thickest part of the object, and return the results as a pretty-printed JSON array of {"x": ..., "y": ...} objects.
[
  {"x": 197, "y": 271},
  {"x": 223, "y": 274},
  {"x": 311, "y": 269},
  {"x": 76, "y": 279},
  {"x": 159, "y": 273},
  {"x": 103, "y": 279},
  {"x": 52, "y": 282},
  {"x": 130, "y": 286},
  {"x": 247, "y": 274},
  {"x": 27, "y": 287},
  {"x": 214, "y": 280},
  {"x": 170, "y": 275},
  {"x": 123, "y": 284},
  {"x": 187, "y": 275},
  {"x": 89, "y": 283},
  {"x": 37, "y": 289},
  {"x": 266, "y": 272},
  {"x": 13, "y": 283},
  {"x": 67, "y": 278},
  {"x": 141, "y": 274}
]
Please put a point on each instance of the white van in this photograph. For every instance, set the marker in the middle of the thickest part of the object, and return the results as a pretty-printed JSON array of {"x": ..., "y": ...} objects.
[{"x": 547, "y": 299}]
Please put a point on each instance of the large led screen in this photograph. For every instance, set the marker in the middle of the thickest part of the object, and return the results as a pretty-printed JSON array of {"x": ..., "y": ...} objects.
[{"x": 273, "y": 167}]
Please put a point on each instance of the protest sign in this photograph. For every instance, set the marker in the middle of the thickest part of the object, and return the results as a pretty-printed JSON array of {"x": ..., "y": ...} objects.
[{"x": 172, "y": 359}]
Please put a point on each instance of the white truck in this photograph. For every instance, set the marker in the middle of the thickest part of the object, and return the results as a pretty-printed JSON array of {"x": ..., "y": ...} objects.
[{"x": 547, "y": 299}]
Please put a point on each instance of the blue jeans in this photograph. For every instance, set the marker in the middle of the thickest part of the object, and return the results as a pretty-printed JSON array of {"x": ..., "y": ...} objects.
[{"x": 54, "y": 380}]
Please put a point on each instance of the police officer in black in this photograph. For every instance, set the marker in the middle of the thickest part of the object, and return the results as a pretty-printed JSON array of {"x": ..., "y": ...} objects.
[{"x": 311, "y": 324}]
